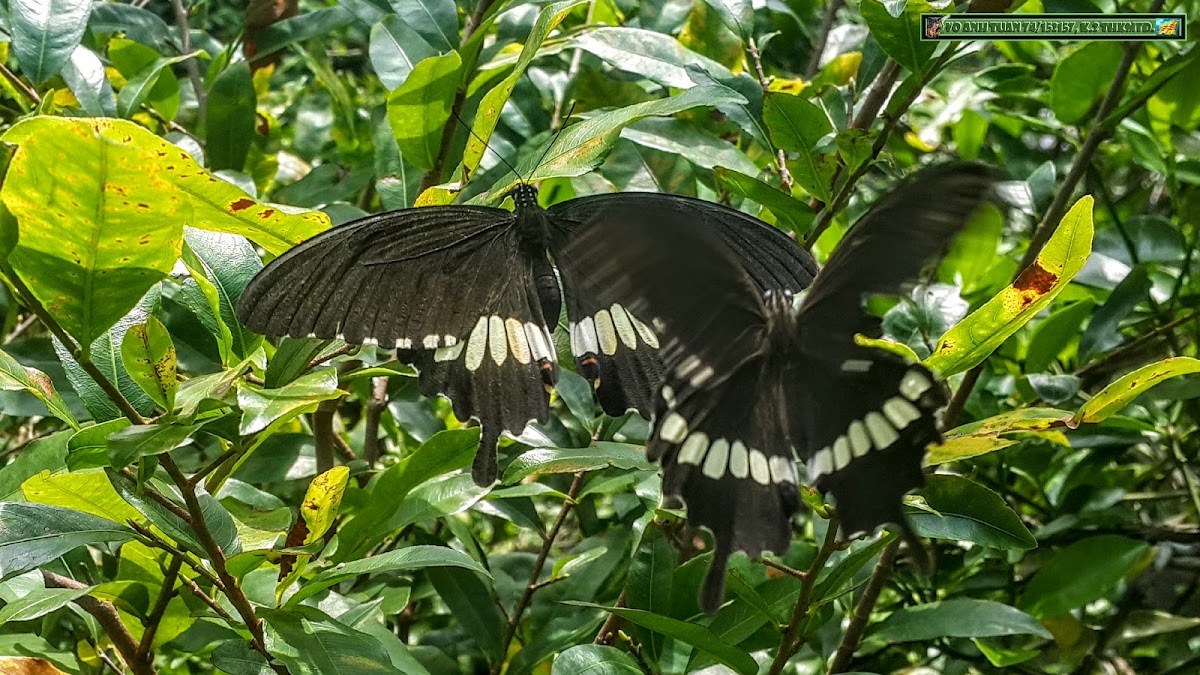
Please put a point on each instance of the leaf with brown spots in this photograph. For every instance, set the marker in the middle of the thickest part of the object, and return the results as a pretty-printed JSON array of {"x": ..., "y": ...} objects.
[
  {"x": 1121, "y": 393},
  {"x": 14, "y": 376},
  {"x": 969, "y": 342},
  {"x": 88, "y": 248},
  {"x": 148, "y": 354}
]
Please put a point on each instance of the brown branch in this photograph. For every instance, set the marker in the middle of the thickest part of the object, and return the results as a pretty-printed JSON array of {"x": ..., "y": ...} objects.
[
  {"x": 375, "y": 408},
  {"x": 158, "y": 497},
  {"x": 20, "y": 84},
  {"x": 791, "y": 641},
  {"x": 323, "y": 433},
  {"x": 514, "y": 620},
  {"x": 434, "y": 175},
  {"x": 195, "y": 590},
  {"x": 344, "y": 349},
  {"x": 154, "y": 541},
  {"x": 612, "y": 624},
  {"x": 160, "y": 608},
  {"x": 106, "y": 615},
  {"x": 233, "y": 590},
  {"x": 862, "y": 611},
  {"x": 814, "y": 61}
]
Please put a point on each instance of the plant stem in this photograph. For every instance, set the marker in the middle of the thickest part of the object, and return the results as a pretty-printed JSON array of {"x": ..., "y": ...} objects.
[
  {"x": 514, "y": 619},
  {"x": 791, "y": 641},
  {"x": 159, "y": 609},
  {"x": 106, "y": 615},
  {"x": 862, "y": 611},
  {"x": 814, "y": 61}
]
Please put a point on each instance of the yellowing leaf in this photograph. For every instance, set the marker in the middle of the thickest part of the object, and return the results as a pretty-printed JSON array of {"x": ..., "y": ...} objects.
[
  {"x": 322, "y": 501},
  {"x": 86, "y": 491},
  {"x": 969, "y": 342},
  {"x": 149, "y": 357},
  {"x": 963, "y": 447},
  {"x": 1122, "y": 392}
]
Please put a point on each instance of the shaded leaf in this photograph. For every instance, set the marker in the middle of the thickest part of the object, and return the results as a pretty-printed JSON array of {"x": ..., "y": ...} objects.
[
  {"x": 1082, "y": 78},
  {"x": 32, "y": 535},
  {"x": 797, "y": 125},
  {"x": 960, "y": 617},
  {"x": 967, "y": 511},
  {"x": 230, "y": 118},
  {"x": 308, "y": 641},
  {"x": 1081, "y": 573},
  {"x": 594, "y": 660},
  {"x": 14, "y": 376},
  {"x": 1121, "y": 393},
  {"x": 39, "y": 603},
  {"x": 599, "y": 455}
]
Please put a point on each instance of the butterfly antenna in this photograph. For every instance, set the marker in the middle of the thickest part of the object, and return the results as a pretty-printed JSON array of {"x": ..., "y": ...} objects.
[
  {"x": 485, "y": 145},
  {"x": 554, "y": 140}
]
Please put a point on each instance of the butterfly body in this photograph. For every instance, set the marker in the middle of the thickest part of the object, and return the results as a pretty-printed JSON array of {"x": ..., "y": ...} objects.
[{"x": 470, "y": 295}]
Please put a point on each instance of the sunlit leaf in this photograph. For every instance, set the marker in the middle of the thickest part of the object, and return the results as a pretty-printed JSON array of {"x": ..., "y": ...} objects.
[
  {"x": 1081, "y": 573},
  {"x": 419, "y": 108},
  {"x": 14, "y": 376},
  {"x": 264, "y": 408},
  {"x": 1121, "y": 393},
  {"x": 975, "y": 337},
  {"x": 149, "y": 357},
  {"x": 322, "y": 500}
]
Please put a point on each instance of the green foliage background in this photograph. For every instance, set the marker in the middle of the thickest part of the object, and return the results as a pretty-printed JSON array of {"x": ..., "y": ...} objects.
[{"x": 180, "y": 495}]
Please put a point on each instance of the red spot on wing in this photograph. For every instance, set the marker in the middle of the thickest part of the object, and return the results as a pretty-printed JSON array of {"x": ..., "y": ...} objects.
[{"x": 241, "y": 204}]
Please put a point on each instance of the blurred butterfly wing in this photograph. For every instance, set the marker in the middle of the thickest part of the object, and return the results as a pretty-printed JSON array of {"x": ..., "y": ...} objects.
[
  {"x": 622, "y": 357},
  {"x": 449, "y": 287},
  {"x": 718, "y": 428},
  {"x": 888, "y": 247},
  {"x": 724, "y": 451},
  {"x": 861, "y": 418}
]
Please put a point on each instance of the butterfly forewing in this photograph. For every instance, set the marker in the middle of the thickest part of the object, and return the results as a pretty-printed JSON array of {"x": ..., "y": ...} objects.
[{"x": 449, "y": 287}]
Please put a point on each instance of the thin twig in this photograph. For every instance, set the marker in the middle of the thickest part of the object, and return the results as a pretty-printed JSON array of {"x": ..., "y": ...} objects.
[
  {"x": 1137, "y": 343},
  {"x": 514, "y": 619},
  {"x": 20, "y": 328},
  {"x": 160, "y": 608},
  {"x": 233, "y": 590},
  {"x": 791, "y": 641},
  {"x": 862, "y": 611},
  {"x": 818, "y": 48},
  {"x": 185, "y": 39},
  {"x": 158, "y": 497},
  {"x": 20, "y": 84},
  {"x": 785, "y": 176},
  {"x": 106, "y": 615},
  {"x": 344, "y": 349},
  {"x": 154, "y": 541},
  {"x": 195, "y": 590}
]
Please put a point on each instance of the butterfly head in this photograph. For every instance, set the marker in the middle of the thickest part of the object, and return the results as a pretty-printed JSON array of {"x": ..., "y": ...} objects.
[{"x": 525, "y": 196}]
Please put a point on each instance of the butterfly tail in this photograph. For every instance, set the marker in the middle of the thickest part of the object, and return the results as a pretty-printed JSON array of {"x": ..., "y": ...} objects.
[{"x": 483, "y": 469}]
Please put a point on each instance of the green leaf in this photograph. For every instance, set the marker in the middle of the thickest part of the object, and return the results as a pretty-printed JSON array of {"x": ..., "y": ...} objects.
[
  {"x": 99, "y": 229},
  {"x": 793, "y": 214},
  {"x": 40, "y": 602},
  {"x": 395, "y": 49},
  {"x": 401, "y": 560},
  {"x": 14, "y": 376},
  {"x": 237, "y": 657},
  {"x": 35, "y": 534},
  {"x": 599, "y": 455},
  {"x": 268, "y": 408},
  {"x": 900, "y": 37},
  {"x": 973, "y": 252},
  {"x": 469, "y": 600},
  {"x": 85, "y": 77},
  {"x": 582, "y": 147},
  {"x": 492, "y": 103},
  {"x": 318, "y": 23},
  {"x": 435, "y": 20},
  {"x": 1121, "y": 393},
  {"x": 689, "y": 141},
  {"x": 228, "y": 262},
  {"x": 419, "y": 108},
  {"x": 1054, "y": 333},
  {"x": 148, "y": 355},
  {"x": 153, "y": 82},
  {"x": 797, "y": 125},
  {"x": 143, "y": 440},
  {"x": 695, "y": 635},
  {"x": 648, "y": 585},
  {"x": 655, "y": 56},
  {"x": 445, "y": 451},
  {"x": 84, "y": 491},
  {"x": 1080, "y": 573},
  {"x": 967, "y": 511},
  {"x": 48, "y": 453},
  {"x": 836, "y": 578},
  {"x": 45, "y": 33},
  {"x": 310, "y": 642},
  {"x": 960, "y": 617},
  {"x": 1025, "y": 419},
  {"x": 230, "y": 118},
  {"x": 1082, "y": 78},
  {"x": 971, "y": 341},
  {"x": 106, "y": 356},
  {"x": 1103, "y": 331},
  {"x": 954, "y": 448},
  {"x": 594, "y": 660}
]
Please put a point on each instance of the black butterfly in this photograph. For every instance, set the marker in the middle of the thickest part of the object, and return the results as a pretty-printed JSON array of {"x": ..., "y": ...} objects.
[
  {"x": 469, "y": 296},
  {"x": 753, "y": 374}
]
